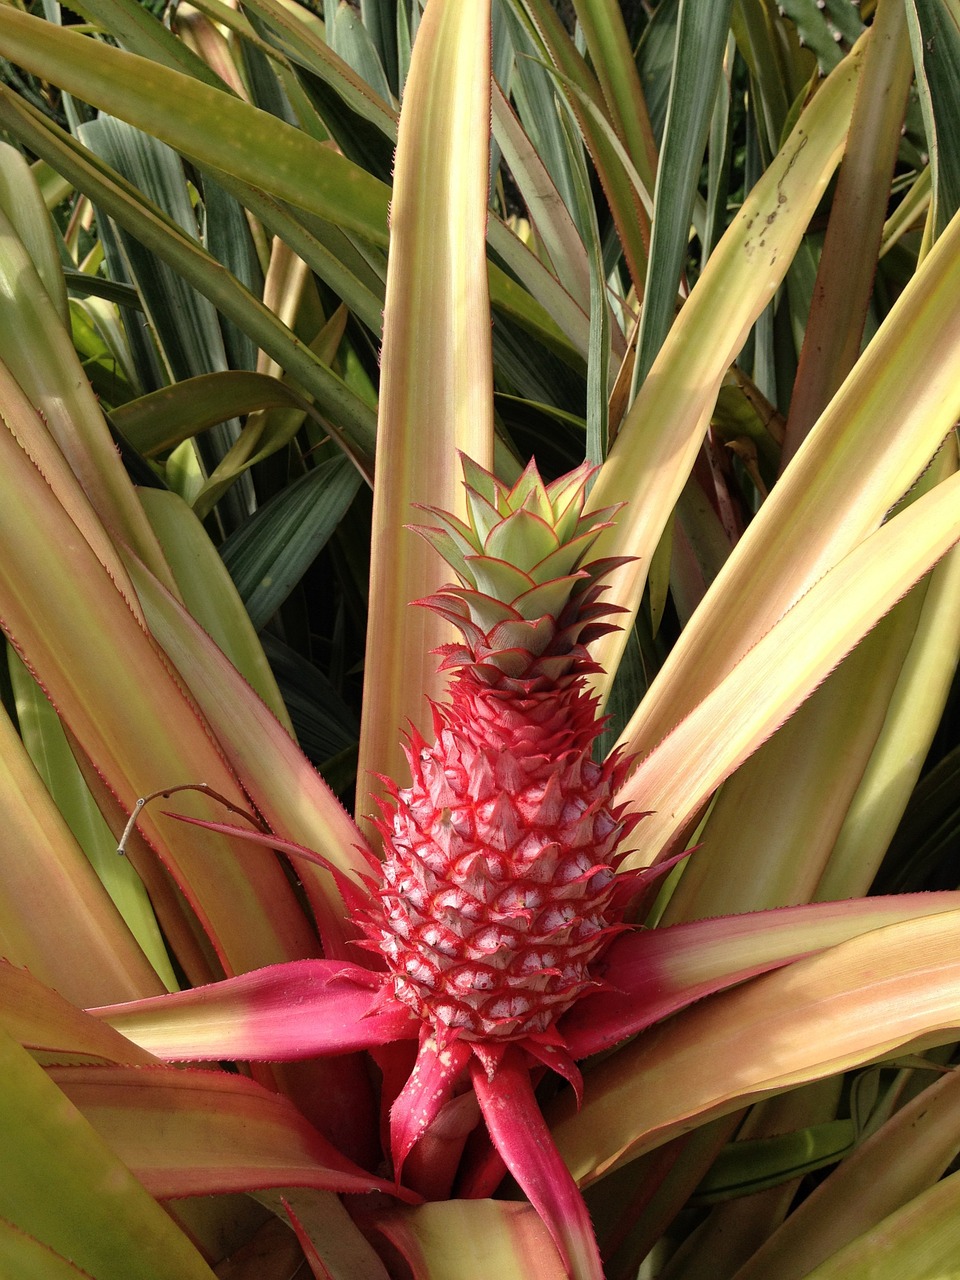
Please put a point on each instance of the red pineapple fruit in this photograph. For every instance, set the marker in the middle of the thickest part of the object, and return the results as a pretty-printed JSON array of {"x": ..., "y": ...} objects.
[{"x": 499, "y": 881}]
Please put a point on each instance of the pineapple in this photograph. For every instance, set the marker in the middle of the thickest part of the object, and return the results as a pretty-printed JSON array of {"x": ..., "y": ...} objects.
[{"x": 499, "y": 882}]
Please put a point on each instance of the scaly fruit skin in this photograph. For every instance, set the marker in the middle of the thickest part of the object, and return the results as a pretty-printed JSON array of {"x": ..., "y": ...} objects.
[{"x": 499, "y": 884}]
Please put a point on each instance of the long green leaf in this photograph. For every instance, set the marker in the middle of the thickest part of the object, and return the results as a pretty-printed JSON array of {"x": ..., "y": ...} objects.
[
  {"x": 661, "y": 435},
  {"x": 858, "y": 1002},
  {"x": 120, "y": 699},
  {"x": 37, "y": 350},
  {"x": 209, "y": 593},
  {"x": 203, "y": 1132},
  {"x": 807, "y": 643},
  {"x": 354, "y": 43},
  {"x": 922, "y": 1239},
  {"x": 60, "y": 1183},
  {"x": 601, "y": 23},
  {"x": 23, "y": 205},
  {"x": 903, "y": 392},
  {"x": 555, "y": 227},
  {"x": 48, "y": 748},
  {"x": 55, "y": 916},
  {"x": 545, "y": 292},
  {"x": 556, "y": 48},
  {"x": 848, "y": 263},
  {"x": 935, "y": 37},
  {"x": 598, "y": 354},
  {"x": 204, "y": 123},
  {"x": 163, "y": 419},
  {"x": 436, "y": 379},
  {"x": 138, "y": 29},
  {"x": 701, "y": 42},
  {"x": 769, "y": 47},
  {"x": 903, "y": 1158},
  {"x": 268, "y": 556},
  {"x": 532, "y": 90},
  {"x": 297, "y": 37},
  {"x": 153, "y": 230}
]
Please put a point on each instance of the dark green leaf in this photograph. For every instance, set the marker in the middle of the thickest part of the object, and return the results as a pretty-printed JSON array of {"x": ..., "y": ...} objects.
[
  {"x": 269, "y": 555},
  {"x": 701, "y": 42},
  {"x": 744, "y": 1168},
  {"x": 161, "y": 420},
  {"x": 361, "y": 46},
  {"x": 935, "y": 36}
]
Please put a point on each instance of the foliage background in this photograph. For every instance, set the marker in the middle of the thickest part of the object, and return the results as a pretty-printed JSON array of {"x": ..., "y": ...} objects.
[{"x": 193, "y": 299}]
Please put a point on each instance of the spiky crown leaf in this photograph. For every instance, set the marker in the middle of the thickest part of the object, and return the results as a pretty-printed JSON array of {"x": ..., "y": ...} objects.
[{"x": 527, "y": 604}]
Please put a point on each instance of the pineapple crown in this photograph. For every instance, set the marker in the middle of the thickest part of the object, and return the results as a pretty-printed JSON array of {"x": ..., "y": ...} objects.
[{"x": 526, "y": 605}]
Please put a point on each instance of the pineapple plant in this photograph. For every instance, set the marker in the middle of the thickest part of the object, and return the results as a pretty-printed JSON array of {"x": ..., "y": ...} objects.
[{"x": 404, "y": 1027}]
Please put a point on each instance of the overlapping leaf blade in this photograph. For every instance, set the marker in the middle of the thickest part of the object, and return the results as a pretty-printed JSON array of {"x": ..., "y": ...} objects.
[
  {"x": 436, "y": 310},
  {"x": 858, "y": 1002},
  {"x": 665, "y": 426},
  {"x": 101, "y": 1217}
]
